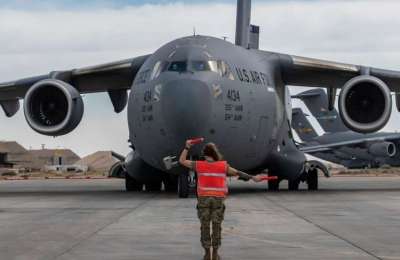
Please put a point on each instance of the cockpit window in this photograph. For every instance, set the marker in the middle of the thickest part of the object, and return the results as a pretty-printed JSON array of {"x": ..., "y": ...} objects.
[
  {"x": 159, "y": 67},
  {"x": 225, "y": 70},
  {"x": 220, "y": 67},
  {"x": 217, "y": 66},
  {"x": 199, "y": 65},
  {"x": 178, "y": 66}
]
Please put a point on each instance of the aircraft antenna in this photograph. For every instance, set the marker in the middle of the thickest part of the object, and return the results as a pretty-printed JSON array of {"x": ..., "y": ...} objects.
[{"x": 194, "y": 31}]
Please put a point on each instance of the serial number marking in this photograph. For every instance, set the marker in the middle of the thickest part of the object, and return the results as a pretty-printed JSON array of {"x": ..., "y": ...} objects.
[
  {"x": 234, "y": 117},
  {"x": 147, "y": 118},
  {"x": 233, "y": 95},
  {"x": 234, "y": 112},
  {"x": 147, "y": 108},
  {"x": 147, "y": 96}
]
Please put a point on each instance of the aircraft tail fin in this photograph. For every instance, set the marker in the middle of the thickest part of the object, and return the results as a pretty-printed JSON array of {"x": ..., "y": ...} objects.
[
  {"x": 316, "y": 101},
  {"x": 247, "y": 35},
  {"x": 302, "y": 126}
]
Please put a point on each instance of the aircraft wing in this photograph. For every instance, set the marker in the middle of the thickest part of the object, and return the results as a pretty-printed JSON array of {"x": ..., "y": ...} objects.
[
  {"x": 108, "y": 77},
  {"x": 357, "y": 142},
  {"x": 308, "y": 72}
]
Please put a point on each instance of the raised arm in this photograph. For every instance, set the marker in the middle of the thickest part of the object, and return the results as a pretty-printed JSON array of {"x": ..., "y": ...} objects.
[{"x": 183, "y": 157}]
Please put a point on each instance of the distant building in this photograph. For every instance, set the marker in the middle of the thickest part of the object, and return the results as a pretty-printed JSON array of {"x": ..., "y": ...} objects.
[
  {"x": 53, "y": 157},
  {"x": 14, "y": 155},
  {"x": 100, "y": 161}
]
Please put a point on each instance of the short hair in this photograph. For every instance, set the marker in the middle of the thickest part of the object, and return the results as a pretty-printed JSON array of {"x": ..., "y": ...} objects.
[{"x": 211, "y": 150}]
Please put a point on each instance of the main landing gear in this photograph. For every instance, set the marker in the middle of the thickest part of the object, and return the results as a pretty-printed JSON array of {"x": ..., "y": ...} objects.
[
  {"x": 309, "y": 176},
  {"x": 293, "y": 184},
  {"x": 273, "y": 185},
  {"x": 131, "y": 184},
  {"x": 312, "y": 179}
]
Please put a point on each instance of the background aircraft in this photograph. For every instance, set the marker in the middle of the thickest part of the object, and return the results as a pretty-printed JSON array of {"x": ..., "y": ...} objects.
[
  {"x": 350, "y": 149},
  {"x": 232, "y": 94},
  {"x": 316, "y": 101}
]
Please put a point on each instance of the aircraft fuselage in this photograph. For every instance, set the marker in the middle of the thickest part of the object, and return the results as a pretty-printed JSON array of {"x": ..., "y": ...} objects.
[{"x": 205, "y": 87}]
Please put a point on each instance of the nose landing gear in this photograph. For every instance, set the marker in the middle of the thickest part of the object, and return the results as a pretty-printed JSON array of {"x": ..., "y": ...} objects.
[{"x": 186, "y": 184}]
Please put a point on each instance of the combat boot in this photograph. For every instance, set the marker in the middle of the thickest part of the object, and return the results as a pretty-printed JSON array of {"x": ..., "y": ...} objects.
[
  {"x": 207, "y": 255},
  {"x": 215, "y": 255}
]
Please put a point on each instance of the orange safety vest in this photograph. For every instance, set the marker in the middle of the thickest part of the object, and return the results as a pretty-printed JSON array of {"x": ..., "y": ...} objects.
[{"x": 211, "y": 179}]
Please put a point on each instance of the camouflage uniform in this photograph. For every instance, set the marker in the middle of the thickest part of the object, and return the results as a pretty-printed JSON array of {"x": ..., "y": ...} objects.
[{"x": 211, "y": 210}]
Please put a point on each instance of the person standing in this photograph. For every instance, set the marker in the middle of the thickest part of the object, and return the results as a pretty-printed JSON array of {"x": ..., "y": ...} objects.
[{"x": 212, "y": 190}]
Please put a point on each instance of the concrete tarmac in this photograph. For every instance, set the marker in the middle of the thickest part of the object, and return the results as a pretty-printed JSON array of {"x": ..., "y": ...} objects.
[{"x": 349, "y": 218}]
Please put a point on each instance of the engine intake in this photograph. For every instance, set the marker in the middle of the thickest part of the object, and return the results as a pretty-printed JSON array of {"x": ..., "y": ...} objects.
[
  {"x": 53, "y": 107},
  {"x": 384, "y": 149},
  {"x": 365, "y": 104}
]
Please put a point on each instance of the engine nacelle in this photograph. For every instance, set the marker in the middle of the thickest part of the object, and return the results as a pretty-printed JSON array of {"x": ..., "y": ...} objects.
[
  {"x": 53, "y": 107},
  {"x": 365, "y": 104},
  {"x": 383, "y": 149}
]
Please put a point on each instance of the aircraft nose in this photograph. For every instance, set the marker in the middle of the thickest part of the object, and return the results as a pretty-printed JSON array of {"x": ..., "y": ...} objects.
[{"x": 186, "y": 107}]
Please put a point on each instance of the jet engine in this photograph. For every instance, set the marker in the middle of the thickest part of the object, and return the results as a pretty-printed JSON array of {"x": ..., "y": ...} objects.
[
  {"x": 53, "y": 107},
  {"x": 365, "y": 104},
  {"x": 384, "y": 149}
]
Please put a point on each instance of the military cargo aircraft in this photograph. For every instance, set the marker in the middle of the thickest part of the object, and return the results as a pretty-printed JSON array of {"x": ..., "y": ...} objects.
[
  {"x": 199, "y": 86},
  {"x": 316, "y": 100},
  {"x": 350, "y": 149}
]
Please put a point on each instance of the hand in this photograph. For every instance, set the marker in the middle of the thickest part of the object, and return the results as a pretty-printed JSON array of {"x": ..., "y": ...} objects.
[
  {"x": 188, "y": 144},
  {"x": 256, "y": 178},
  {"x": 243, "y": 179}
]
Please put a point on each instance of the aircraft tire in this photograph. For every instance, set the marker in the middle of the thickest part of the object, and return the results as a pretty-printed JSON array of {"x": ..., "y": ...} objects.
[
  {"x": 273, "y": 185},
  {"x": 131, "y": 184},
  {"x": 293, "y": 185},
  {"x": 183, "y": 186},
  {"x": 312, "y": 180},
  {"x": 153, "y": 186}
]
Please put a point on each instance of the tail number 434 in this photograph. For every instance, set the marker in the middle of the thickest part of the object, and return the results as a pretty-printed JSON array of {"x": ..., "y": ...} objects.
[{"x": 233, "y": 95}]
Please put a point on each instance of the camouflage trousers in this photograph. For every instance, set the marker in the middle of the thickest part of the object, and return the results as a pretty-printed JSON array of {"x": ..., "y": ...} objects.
[{"x": 210, "y": 210}]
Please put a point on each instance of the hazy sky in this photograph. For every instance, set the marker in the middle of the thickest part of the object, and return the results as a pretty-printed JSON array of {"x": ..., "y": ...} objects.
[{"x": 40, "y": 36}]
